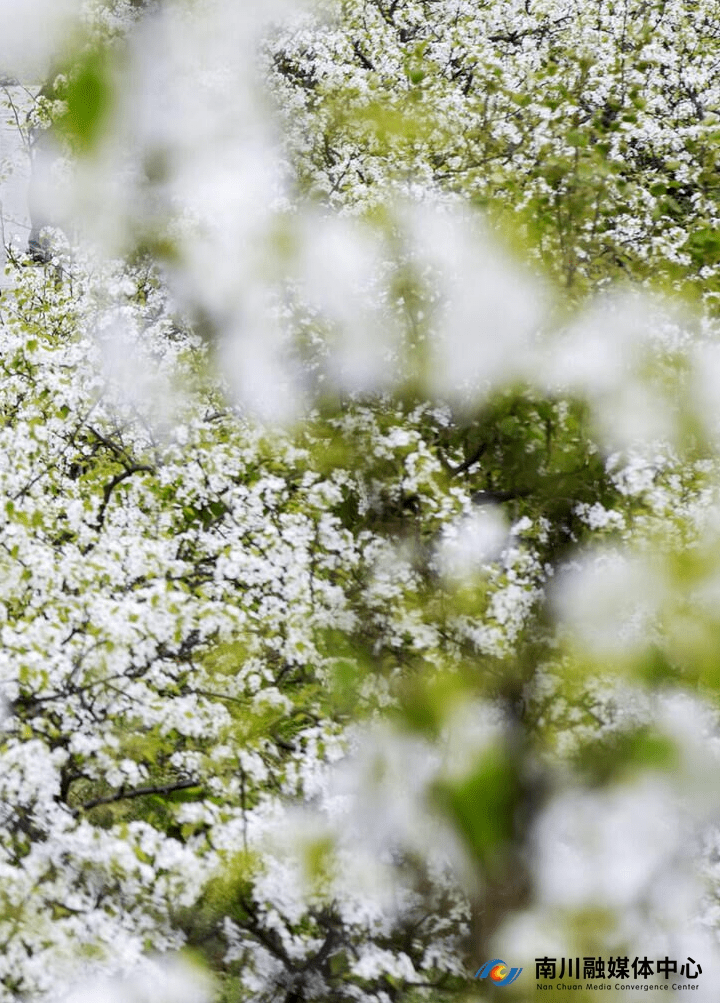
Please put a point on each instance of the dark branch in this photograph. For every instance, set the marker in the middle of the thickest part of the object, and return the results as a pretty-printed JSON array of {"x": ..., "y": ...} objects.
[
  {"x": 137, "y": 792},
  {"x": 466, "y": 463},
  {"x": 366, "y": 63},
  {"x": 497, "y": 497},
  {"x": 136, "y": 468}
]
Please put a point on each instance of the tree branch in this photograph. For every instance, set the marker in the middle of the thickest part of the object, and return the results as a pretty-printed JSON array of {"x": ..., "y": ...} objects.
[
  {"x": 137, "y": 792},
  {"x": 136, "y": 468},
  {"x": 466, "y": 463}
]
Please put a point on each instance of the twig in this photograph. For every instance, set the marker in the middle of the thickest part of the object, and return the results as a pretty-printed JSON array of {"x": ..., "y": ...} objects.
[{"x": 137, "y": 792}]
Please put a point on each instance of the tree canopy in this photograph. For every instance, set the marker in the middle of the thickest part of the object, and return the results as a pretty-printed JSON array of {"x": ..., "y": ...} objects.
[{"x": 359, "y": 491}]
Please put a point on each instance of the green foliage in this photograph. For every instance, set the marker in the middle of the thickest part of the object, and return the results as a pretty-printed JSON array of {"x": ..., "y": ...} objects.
[
  {"x": 88, "y": 100},
  {"x": 203, "y": 617},
  {"x": 483, "y": 807}
]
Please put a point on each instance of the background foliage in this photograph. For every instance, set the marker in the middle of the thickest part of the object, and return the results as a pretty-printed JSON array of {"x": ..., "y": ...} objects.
[{"x": 359, "y": 548}]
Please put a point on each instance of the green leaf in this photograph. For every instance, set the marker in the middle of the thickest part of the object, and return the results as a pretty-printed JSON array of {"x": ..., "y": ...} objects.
[
  {"x": 608, "y": 760},
  {"x": 482, "y": 806},
  {"x": 89, "y": 99}
]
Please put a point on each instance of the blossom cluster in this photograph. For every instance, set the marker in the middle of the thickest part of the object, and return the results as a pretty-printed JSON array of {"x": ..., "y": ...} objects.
[{"x": 359, "y": 582}]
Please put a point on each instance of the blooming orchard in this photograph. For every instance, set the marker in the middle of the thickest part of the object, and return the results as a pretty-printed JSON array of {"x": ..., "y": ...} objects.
[{"x": 360, "y": 547}]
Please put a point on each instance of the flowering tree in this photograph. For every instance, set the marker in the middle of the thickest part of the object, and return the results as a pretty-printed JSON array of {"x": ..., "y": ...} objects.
[{"x": 359, "y": 550}]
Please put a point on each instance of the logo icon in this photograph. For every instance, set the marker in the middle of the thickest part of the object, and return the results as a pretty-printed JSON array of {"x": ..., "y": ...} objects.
[{"x": 498, "y": 972}]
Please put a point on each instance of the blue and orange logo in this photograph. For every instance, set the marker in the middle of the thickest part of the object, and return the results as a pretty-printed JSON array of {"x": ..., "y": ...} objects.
[{"x": 498, "y": 972}]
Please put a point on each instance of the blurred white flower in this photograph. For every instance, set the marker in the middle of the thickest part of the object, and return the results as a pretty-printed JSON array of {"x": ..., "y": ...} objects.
[
  {"x": 608, "y": 602},
  {"x": 607, "y": 356},
  {"x": 256, "y": 363},
  {"x": 33, "y": 34},
  {"x": 155, "y": 981},
  {"x": 471, "y": 542},
  {"x": 131, "y": 370},
  {"x": 703, "y": 392},
  {"x": 341, "y": 274},
  {"x": 607, "y": 847},
  {"x": 488, "y": 309}
]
